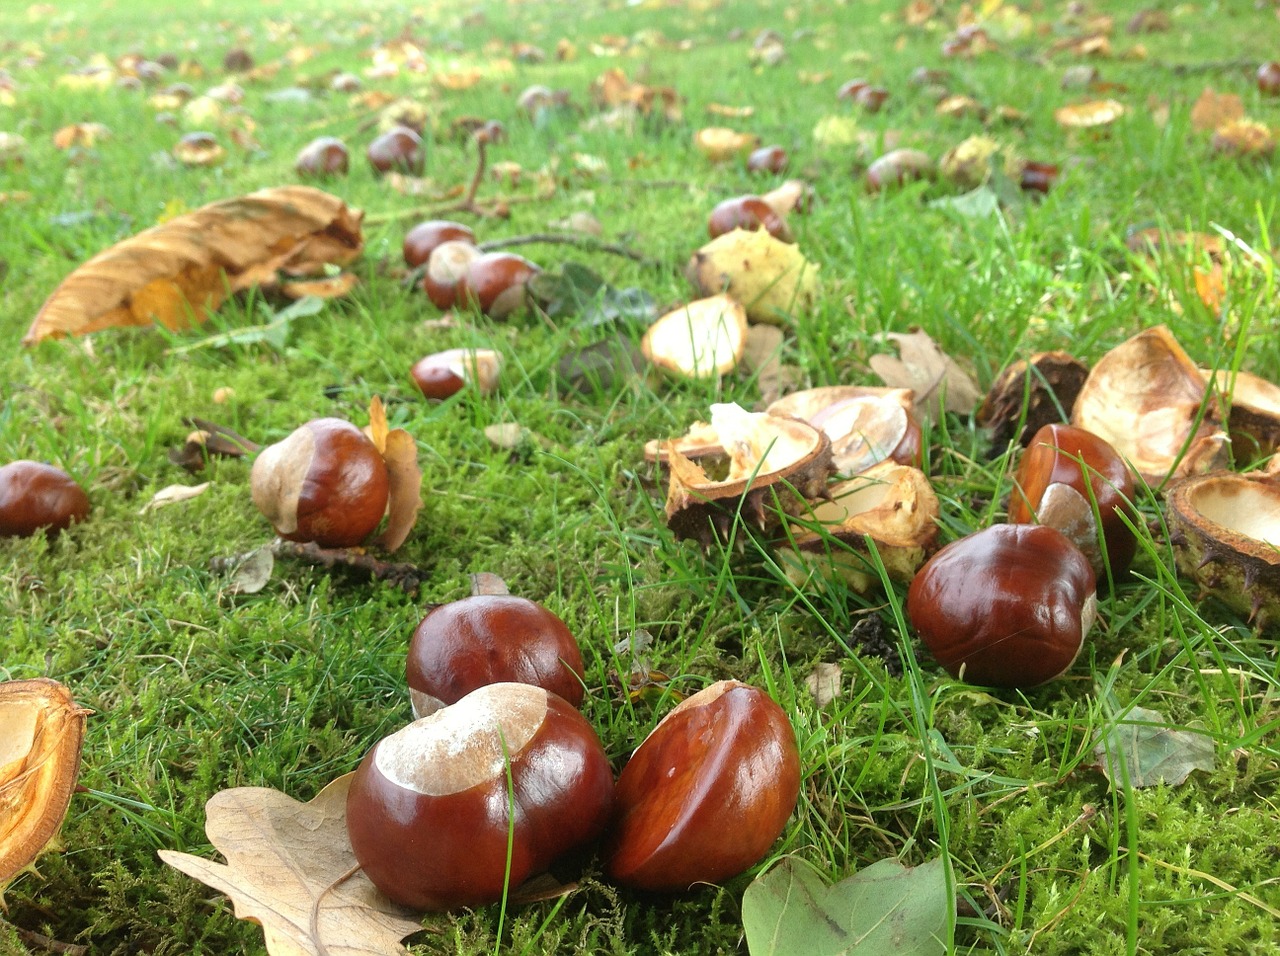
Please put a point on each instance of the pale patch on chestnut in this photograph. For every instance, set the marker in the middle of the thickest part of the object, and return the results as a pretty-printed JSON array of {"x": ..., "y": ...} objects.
[
  {"x": 456, "y": 748},
  {"x": 278, "y": 476}
]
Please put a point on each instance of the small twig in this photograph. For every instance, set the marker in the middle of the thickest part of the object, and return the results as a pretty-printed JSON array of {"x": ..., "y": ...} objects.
[
  {"x": 1209, "y": 66},
  {"x": 223, "y": 431},
  {"x": 407, "y": 577},
  {"x": 32, "y": 938},
  {"x": 571, "y": 239}
]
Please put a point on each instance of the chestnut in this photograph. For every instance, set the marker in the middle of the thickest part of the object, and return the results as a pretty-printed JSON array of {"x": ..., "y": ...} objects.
[
  {"x": 1063, "y": 473},
  {"x": 432, "y": 806},
  {"x": 898, "y": 166},
  {"x": 488, "y": 639},
  {"x": 871, "y": 98},
  {"x": 495, "y": 283},
  {"x": 1038, "y": 177},
  {"x": 1268, "y": 77},
  {"x": 398, "y": 149},
  {"x": 1008, "y": 606},
  {"x": 706, "y": 794},
  {"x": 851, "y": 88},
  {"x": 422, "y": 239},
  {"x": 326, "y": 482},
  {"x": 199, "y": 149},
  {"x": 747, "y": 212},
  {"x": 768, "y": 159},
  {"x": 446, "y": 268},
  {"x": 322, "y": 157},
  {"x": 443, "y": 374},
  {"x": 35, "y": 496}
]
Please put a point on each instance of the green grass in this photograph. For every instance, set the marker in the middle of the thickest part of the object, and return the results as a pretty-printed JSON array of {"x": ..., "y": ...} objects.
[{"x": 195, "y": 689}]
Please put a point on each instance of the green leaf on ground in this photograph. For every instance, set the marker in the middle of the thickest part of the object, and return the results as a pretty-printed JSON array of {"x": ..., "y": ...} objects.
[
  {"x": 886, "y": 908},
  {"x": 1145, "y": 748}
]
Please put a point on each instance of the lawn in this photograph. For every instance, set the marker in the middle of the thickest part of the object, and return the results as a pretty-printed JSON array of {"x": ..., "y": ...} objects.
[{"x": 196, "y": 688}]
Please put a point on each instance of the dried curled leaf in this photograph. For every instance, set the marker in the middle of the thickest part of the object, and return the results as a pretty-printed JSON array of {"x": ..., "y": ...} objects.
[
  {"x": 176, "y": 273},
  {"x": 1090, "y": 115},
  {"x": 404, "y": 477},
  {"x": 940, "y": 385},
  {"x": 285, "y": 869},
  {"x": 41, "y": 730}
]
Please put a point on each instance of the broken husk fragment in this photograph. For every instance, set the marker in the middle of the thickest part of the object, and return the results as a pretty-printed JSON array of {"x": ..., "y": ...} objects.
[
  {"x": 765, "y": 459},
  {"x": 866, "y": 425},
  {"x": 1225, "y": 530},
  {"x": 1254, "y": 419},
  {"x": 1045, "y": 385}
]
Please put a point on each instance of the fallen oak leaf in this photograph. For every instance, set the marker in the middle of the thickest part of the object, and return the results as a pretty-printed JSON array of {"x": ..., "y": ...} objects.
[
  {"x": 940, "y": 385},
  {"x": 289, "y": 869},
  {"x": 178, "y": 272}
]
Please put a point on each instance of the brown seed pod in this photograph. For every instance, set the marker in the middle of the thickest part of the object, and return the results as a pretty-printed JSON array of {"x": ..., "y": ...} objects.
[
  {"x": 425, "y": 237},
  {"x": 322, "y": 157},
  {"x": 35, "y": 496}
]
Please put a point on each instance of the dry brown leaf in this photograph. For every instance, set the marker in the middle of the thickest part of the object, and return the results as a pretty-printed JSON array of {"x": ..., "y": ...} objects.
[
  {"x": 763, "y": 358},
  {"x": 284, "y": 863},
  {"x": 1212, "y": 110},
  {"x": 178, "y": 272},
  {"x": 41, "y": 730},
  {"x": 404, "y": 497},
  {"x": 333, "y": 287},
  {"x": 940, "y": 385},
  {"x": 1089, "y": 115},
  {"x": 732, "y": 112},
  {"x": 824, "y": 684},
  {"x": 80, "y": 134},
  {"x": 173, "y": 494}
]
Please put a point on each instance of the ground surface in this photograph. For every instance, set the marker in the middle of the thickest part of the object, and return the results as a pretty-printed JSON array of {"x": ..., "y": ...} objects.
[{"x": 196, "y": 689}]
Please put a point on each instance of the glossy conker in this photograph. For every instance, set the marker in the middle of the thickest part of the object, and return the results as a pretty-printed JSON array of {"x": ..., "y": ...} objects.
[
  {"x": 1063, "y": 474},
  {"x": 706, "y": 794},
  {"x": 1268, "y": 77},
  {"x": 1038, "y": 177},
  {"x": 444, "y": 374},
  {"x": 446, "y": 268},
  {"x": 747, "y": 212},
  {"x": 1007, "y": 606},
  {"x": 35, "y": 496},
  {"x": 422, "y": 239},
  {"x": 768, "y": 159},
  {"x": 399, "y": 149},
  {"x": 495, "y": 283},
  {"x": 488, "y": 639},
  {"x": 321, "y": 158},
  {"x": 326, "y": 482},
  {"x": 897, "y": 167},
  {"x": 429, "y": 808}
]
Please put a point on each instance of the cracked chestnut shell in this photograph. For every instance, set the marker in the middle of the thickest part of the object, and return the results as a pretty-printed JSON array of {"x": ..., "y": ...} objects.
[
  {"x": 326, "y": 482},
  {"x": 1063, "y": 473},
  {"x": 35, "y": 496},
  {"x": 706, "y": 794},
  {"x": 488, "y": 639},
  {"x": 1008, "y": 606},
  {"x": 429, "y": 809}
]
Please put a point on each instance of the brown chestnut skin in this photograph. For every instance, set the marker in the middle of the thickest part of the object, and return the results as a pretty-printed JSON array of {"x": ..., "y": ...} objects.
[
  {"x": 35, "y": 496},
  {"x": 323, "y": 157},
  {"x": 435, "y": 380},
  {"x": 706, "y": 794},
  {"x": 399, "y": 149},
  {"x": 851, "y": 88},
  {"x": 422, "y": 239},
  {"x": 897, "y": 167},
  {"x": 1007, "y": 606},
  {"x": 489, "y": 639},
  {"x": 768, "y": 159},
  {"x": 495, "y": 283},
  {"x": 1268, "y": 77},
  {"x": 747, "y": 212},
  {"x": 326, "y": 482},
  {"x": 446, "y": 269},
  {"x": 1038, "y": 177},
  {"x": 448, "y": 849},
  {"x": 1063, "y": 472}
]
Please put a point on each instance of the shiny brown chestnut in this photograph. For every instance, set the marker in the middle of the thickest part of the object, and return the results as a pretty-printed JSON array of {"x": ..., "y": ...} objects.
[
  {"x": 1063, "y": 474},
  {"x": 706, "y": 794},
  {"x": 35, "y": 496},
  {"x": 851, "y": 88},
  {"x": 432, "y": 806},
  {"x": 321, "y": 158},
  {"x": 871, "y": 98},
  {"x": 747, "y": 212},
  {"x": 446, "y": 268},
  {"x": 1268, "y": 77},
  {"x": 489, "y": 639},
  {"x": 768, "y": 159},
  {"x": 1007, "y": 606},
  {"x": 326, "y": 482},
  {"x": 422, "y": 239},
  {"x": 898, "y": 166},
  {"x": 1038, "y": 177},
  {"x": 495, "y": 282},
  {"x": 398, "y": 150},
  {"x": 444, "y": 374}
]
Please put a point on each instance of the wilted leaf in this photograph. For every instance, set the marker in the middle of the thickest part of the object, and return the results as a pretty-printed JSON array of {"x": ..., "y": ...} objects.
[
  {"x": 284, "y": 861},
  {"x": 41, "y": 730},
  {"x": 1144, "y": 749},
  {"x": 980, "y": 203},
  {"x": 884, "y": 909},
  {"x": 178, "y": 272},
  {"x": 1212, "y": 110},
  {"x": 404, "y": 497},
  {"x": 174, "y": 494},
  {"x": 253, "y": 571},
  {"x": 80, "y": 134},
  {"x": 719, "y": 143},
  {"x": 762, "y": 357},
  {"x": 938, "y": 382},
  {"x": 599, "y": 366},
  {"x": 824, "y": 684},
  {"x": 274, "y": 333},
  {"x": 1089, "y": 115}
]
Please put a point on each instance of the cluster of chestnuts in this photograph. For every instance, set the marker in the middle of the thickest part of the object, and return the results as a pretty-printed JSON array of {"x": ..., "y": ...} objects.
[
  {"x": 35, "y": 496},
  {"x": 456, "y": 272},
  {"x": 399, "y": 149},
  {"x": 500, "y": 775}
]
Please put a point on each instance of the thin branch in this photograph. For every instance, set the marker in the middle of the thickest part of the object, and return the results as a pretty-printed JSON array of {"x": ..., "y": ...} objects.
[
  {"x": 407, "y": 577},
  {"x": 572, "y": 239},
  {"x": 41, "y": 941}
]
